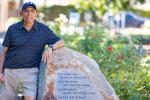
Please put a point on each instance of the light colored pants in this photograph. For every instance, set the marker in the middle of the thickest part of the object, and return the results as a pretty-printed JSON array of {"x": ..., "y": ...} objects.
[{"x": 14, "y": 77}]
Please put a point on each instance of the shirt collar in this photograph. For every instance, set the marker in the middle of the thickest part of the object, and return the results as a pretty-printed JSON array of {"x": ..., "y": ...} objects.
[{"x": 35, "y": 26}]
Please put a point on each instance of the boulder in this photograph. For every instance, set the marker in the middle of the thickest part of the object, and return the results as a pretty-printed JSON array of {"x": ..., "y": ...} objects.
[{"x": 72, "y": 75}]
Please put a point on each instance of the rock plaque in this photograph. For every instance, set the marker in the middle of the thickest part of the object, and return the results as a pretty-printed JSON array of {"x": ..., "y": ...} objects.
[{"x": 74, "y": 85}]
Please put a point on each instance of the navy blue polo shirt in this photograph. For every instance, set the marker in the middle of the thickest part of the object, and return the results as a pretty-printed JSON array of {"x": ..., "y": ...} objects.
[{"x": 25, "y": 48}]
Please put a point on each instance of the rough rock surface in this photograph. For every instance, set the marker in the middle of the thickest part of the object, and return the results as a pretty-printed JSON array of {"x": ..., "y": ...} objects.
[{"x": 73, "y": 76}]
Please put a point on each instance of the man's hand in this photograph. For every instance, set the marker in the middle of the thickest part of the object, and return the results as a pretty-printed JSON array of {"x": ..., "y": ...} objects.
[
  {"x": 46, "y": 57},
  {"x": 1, "y": 77}
]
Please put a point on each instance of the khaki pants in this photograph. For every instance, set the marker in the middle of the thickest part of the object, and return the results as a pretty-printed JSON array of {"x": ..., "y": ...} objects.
[{"x": 14, "y": 77}]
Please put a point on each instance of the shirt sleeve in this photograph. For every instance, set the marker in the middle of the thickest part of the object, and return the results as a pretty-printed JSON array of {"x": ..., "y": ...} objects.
[
  {"x": 52, "y": 37},
  {"x": 6, "y": 42}
]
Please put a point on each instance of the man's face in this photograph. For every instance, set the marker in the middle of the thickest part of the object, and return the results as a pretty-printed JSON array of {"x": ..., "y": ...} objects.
[{"x": 29, "y": 14}]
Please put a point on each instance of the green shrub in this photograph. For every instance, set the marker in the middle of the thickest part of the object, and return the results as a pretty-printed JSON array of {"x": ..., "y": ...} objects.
[{"x": 140, "y": 39}]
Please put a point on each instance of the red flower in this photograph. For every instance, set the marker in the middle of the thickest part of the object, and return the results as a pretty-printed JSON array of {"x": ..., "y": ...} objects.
[{"x": 110, "y": 48}]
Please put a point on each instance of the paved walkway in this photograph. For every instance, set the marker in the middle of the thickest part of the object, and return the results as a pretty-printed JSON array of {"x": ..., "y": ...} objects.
[{"x": 2, "y": 34}]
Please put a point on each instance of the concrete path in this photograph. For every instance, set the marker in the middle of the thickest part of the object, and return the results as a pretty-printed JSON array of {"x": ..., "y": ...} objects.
[{"x": 2, "y": 35}]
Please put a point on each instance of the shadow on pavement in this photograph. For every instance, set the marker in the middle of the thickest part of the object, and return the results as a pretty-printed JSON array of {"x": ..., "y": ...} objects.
[{"x": 2, "y": 34}]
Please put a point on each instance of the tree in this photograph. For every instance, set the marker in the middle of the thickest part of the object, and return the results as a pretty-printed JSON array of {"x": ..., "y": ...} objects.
[{"x": 99, "y": 7}]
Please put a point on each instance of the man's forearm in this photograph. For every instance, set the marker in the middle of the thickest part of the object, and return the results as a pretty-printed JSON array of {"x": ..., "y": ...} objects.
[
  {"x": 2, "y": 58},
  {"x": 58, "y": 44}
]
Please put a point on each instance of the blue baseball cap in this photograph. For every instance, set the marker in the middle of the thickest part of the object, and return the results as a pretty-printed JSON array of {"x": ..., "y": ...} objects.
[{"x": 28, "y": 4}]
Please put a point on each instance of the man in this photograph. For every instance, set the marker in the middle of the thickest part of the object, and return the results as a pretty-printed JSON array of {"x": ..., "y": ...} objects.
[{"x": 22, "y": 52}]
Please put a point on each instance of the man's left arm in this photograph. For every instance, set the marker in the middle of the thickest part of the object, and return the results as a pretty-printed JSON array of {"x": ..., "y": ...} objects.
[
  {"x": 46, "y": 57},
  {"x": 58, "y": 44}
]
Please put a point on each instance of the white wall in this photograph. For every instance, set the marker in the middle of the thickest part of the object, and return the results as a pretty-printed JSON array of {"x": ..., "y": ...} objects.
[{"x": 3, "y": 13}]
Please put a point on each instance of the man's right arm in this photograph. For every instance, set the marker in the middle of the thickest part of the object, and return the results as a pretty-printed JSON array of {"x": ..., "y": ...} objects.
[{"x": 2, "y": 58}]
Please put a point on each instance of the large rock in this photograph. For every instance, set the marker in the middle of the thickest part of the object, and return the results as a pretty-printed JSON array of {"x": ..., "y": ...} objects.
[{"x": 73, "y": 76}]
